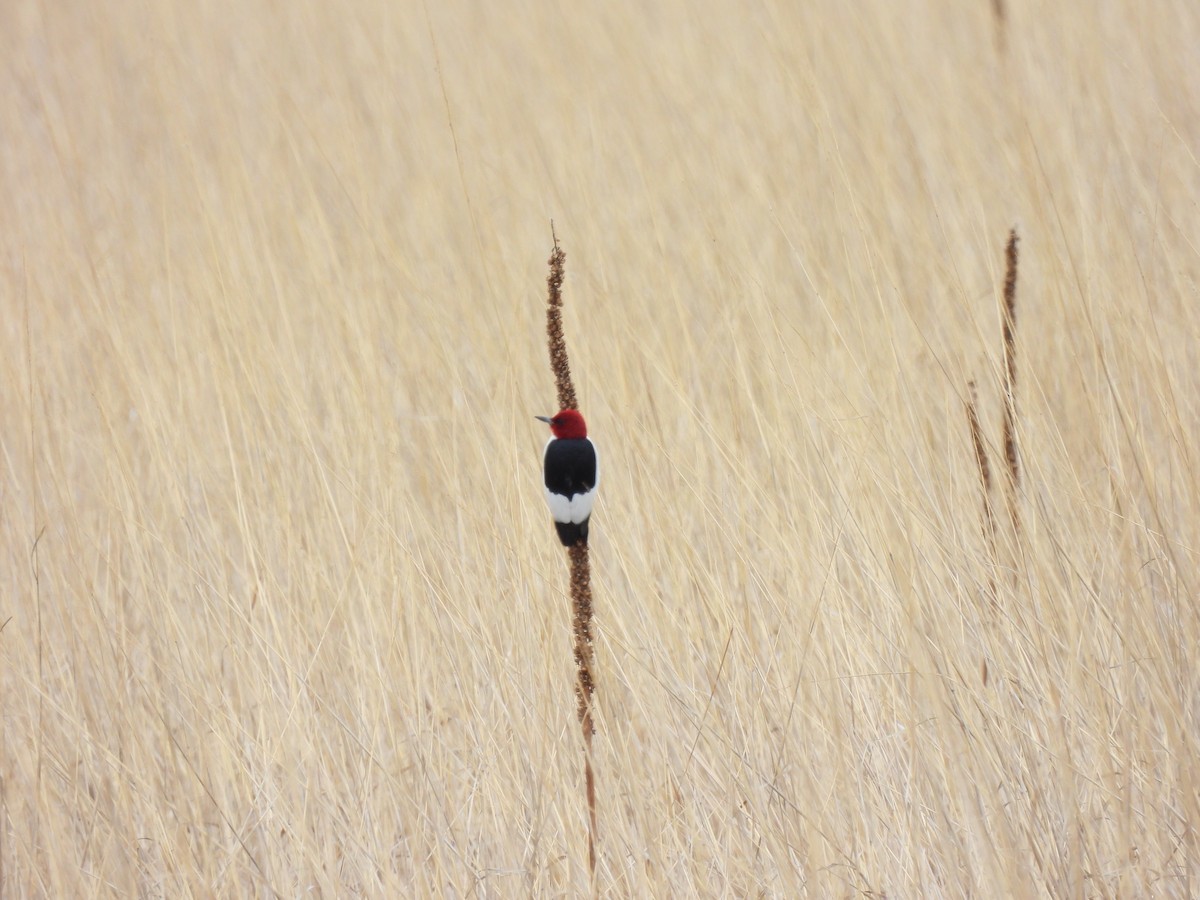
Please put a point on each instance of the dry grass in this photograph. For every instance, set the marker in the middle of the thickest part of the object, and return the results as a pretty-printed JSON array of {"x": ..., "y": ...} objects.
[{"x": 271, "y": 350}]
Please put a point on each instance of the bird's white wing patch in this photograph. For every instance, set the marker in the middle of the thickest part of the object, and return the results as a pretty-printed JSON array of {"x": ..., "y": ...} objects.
[
  {"x": 581, "y": 506},
  {"x": 560, "y": 506},
  {"x": 574, "y": 510}
]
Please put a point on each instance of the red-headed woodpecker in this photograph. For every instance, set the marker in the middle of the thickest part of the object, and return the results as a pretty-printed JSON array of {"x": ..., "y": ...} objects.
[{"x": 572, "y": 472}]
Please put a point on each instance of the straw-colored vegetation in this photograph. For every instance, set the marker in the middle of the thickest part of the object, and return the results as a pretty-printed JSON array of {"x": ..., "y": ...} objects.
[{"x": 282, "y": 609}]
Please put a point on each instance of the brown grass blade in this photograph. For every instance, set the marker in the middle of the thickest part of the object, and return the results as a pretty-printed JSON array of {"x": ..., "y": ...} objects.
[{"x": 1011, "y": 454}]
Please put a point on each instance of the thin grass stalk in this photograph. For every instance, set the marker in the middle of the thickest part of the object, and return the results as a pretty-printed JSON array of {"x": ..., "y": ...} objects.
[
  {"x": 559, "y": 363},
  {"x": 981, "y": 460},
  {"x": 1000, "y": 17},
  {"x": 1011, "y": 454},
  {"x": 987, "y": 516},
  {"x": 581, "y": 577},
  {"x": 585, "y": 685}
]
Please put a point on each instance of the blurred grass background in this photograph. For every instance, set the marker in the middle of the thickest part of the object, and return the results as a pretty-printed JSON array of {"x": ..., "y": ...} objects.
[{"x": 283, "y": 612}]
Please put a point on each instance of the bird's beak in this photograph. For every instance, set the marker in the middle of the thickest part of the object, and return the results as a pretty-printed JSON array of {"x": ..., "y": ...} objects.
[{"x": 545, "y": 419}]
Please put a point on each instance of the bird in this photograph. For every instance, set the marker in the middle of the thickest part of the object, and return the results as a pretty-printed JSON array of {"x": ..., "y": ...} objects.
[{"x": 571, "y": 472}]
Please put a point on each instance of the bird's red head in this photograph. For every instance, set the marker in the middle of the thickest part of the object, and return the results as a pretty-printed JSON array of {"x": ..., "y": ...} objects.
[{"x": 567, "y": 424}]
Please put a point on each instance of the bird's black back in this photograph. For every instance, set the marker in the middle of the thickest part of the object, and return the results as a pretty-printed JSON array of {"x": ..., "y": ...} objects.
[{"x": 570, "y": 466}]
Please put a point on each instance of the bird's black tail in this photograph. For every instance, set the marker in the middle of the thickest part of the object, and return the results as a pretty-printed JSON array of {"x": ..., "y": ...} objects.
[{"x": 570, "y": 533}]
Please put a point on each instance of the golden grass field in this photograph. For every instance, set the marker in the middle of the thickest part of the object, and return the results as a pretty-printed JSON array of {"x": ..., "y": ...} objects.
[{"x": 283, "y": 611}]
